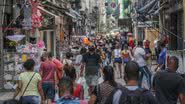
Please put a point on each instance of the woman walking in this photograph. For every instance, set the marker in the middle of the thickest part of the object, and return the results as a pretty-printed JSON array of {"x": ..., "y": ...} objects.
[
  {"x": 103, "y": 90},
  {"x": 29, "y": 85}
]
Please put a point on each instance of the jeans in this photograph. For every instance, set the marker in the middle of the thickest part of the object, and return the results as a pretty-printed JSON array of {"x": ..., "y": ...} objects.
[
  {"x": 144, "y": 71},
  {"x": 30, "y": 100}
]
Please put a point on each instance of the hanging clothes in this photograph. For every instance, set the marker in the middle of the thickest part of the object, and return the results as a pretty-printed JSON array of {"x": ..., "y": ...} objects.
[
  {"x": 36, "y": 14},
  {"x": 27, "y": 22}
]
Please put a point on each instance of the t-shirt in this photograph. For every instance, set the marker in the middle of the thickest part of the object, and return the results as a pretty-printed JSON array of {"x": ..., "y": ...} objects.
[
  {"x": 168, "y": 85},
  {"x": 78, "y": 59},
  {"x": 162, "y": 57},
  {"x": 67, "y": 61},
  {"x": 48, "y": 69},
  {"x": 139, "y": 54},
  {"x": 91, "y": 63},
  {"x": 117, "y": 53},
  {"x": 32, "y": 88},
  {"x": 102, "y": 92}
]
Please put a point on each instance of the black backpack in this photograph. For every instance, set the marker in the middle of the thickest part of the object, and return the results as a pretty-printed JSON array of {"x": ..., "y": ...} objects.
[{"x": 128, "y": 97}]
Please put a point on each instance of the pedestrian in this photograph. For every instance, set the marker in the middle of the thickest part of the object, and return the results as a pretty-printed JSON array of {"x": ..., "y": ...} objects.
[
  {"x": 131, "y": 93},
  {"x": 67, "y": 60},
  {"x": 66, "y": 92},
  {"x": 140, "y": 57},
  {"x": 126, "y": 54},
  {"x": 78, "y": 61},
  {"x": 162, "y": 58},
  {"x": 29, "y": 85},
  {"x": 78, "y": 90},
  {"x": 109, "y": 55},
  {"x": 49, "y": 79},
  {"x": 103, "y": 90},
  {"x": 149, "y": 52},
  {"x": 118, "y": 60},
  {"x": 169, "y": 85},
  {"x": 92, "y": 64},
  {"x": 58, "y": 66}
]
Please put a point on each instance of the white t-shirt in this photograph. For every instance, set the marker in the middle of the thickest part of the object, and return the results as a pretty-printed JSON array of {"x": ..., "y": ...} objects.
[
  {"x": 67, "y": 61},
  {"x": 78, "y": 59},
  {"x": 117, "y": 53},
  {"x": 139, "y": 54}
]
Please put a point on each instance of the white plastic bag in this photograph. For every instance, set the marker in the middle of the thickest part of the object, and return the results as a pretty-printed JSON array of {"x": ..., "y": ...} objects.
[
  {"x": 56, "y": 95},
  {"x": 145, "y": 83},
  {"x": 81, "y": 81},
  {"x": 100, "y": 80}
]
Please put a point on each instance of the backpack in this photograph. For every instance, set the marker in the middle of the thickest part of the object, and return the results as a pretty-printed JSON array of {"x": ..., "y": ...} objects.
[{"x": 127, "y": 96}]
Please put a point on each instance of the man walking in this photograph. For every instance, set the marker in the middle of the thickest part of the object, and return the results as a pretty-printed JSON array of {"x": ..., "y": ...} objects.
[
  {"x": 131, "y": 93},
  {"x": 92, "y": 63},
  {"x": 48, "y": 74},
  {"x": 140, "y": 57},
  {"x": 169, "y": 85}
]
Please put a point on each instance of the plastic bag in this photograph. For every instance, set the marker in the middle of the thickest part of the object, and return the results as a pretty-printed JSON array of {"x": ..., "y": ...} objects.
[
  {"x": 81, "y": 81},
  {"x": 56, "y": 95},
  {"x": 145, "y": 83},
  {"x": 100, "y": 80}
]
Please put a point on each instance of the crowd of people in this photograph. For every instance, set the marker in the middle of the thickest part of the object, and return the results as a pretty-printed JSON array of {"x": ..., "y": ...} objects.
[{"x": 109, "y": 59}]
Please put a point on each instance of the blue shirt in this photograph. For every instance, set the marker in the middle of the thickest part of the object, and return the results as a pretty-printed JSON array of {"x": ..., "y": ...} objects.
[{"x": 162, "y": 57}]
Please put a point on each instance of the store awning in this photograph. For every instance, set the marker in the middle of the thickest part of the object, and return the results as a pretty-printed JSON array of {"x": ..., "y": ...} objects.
[
  {"x": 46, "y": 11},
  {"x": 71, "y": 15},
  {"x": 76, "y": 13}
]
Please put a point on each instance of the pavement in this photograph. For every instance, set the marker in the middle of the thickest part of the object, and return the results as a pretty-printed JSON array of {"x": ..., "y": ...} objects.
[{"x": 5, "y": 96}]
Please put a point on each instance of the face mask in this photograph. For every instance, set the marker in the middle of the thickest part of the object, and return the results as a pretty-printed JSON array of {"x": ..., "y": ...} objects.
[{"x": 91, "y": 49}]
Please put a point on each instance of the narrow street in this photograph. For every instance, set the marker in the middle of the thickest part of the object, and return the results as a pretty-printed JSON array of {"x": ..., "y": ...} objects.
[{"x": 52, "y": 46}]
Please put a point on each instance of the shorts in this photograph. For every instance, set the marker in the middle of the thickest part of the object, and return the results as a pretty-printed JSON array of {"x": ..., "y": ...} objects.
[
  {"x": 125, "y": 60},
  {"x": 30, "y": 100},
  {"x": 49, "y": 90},
  {"x": 117, "y": 60},
  {"x": 92, "y": 80}
]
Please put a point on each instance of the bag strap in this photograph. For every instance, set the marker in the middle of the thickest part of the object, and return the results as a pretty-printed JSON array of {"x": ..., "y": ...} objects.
[{"x": 28, "y": 84}]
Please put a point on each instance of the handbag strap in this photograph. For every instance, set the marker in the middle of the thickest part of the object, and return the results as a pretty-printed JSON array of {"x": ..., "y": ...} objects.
[{"x": 28, "y": 84}]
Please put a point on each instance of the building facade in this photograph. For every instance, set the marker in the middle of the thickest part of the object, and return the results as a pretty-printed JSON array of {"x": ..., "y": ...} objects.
[{"x": 172, "y": 22}]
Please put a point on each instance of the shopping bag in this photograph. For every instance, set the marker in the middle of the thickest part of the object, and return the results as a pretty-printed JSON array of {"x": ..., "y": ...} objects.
[
  {"x": 100, "y": 80},
  {"x": 56, "y": 95},
  {"x": 145, "y": 83},
  {"x": 81, "y": 81}
]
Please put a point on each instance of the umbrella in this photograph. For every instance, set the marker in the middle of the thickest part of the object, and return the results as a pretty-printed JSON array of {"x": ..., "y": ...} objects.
[{"x": 15, "y": 38}]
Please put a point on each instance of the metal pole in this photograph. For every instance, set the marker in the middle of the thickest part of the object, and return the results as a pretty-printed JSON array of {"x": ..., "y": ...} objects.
[{"x": 1, "y": 44}]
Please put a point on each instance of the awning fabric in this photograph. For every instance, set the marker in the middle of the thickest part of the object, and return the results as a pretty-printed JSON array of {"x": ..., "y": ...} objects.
[
  {"x": 71, "y": 15},
  {"x": 74, "y": 14},
  {"x": 46, "y": 11}
]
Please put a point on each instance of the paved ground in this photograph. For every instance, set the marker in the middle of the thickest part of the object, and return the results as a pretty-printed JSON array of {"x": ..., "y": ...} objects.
[{"x": 5, "y": 96}]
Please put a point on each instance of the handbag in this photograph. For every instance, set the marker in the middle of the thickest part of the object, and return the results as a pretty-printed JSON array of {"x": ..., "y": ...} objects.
[{"x": 20, "y": 100}]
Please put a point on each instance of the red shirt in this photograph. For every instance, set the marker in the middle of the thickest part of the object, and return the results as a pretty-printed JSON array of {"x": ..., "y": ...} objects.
[{"x": 48, "y": 71}]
